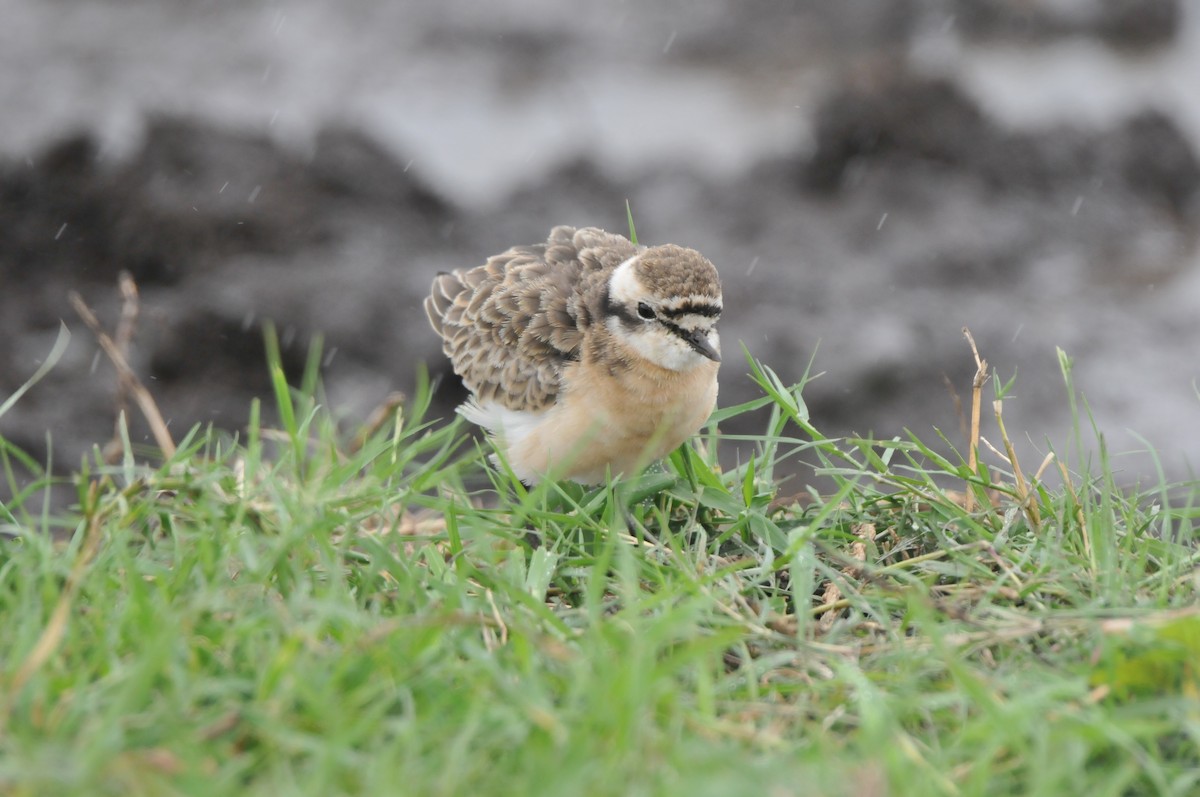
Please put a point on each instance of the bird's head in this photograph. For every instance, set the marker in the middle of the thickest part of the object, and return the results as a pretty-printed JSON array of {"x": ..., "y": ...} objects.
[{"x": 664, "y": 304}]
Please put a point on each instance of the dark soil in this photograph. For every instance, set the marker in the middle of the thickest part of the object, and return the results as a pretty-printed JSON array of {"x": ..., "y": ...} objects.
[{"x": 909, "y": 212}]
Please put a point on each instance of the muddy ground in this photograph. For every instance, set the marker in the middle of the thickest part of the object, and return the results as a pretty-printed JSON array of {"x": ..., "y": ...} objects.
[{"x": 869, "y": 178}]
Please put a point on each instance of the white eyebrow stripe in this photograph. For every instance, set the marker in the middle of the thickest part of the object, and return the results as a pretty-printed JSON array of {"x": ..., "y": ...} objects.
[
  {"x": 624, "y": 285},
  {"x": 693, "y": 321}
]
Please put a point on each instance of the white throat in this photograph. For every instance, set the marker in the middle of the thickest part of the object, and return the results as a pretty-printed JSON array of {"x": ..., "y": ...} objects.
[{"x": 661, "y": 347}]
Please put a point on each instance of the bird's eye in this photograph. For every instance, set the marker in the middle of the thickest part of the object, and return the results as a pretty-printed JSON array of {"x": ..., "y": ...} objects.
[{"x": 645, "y": 311}]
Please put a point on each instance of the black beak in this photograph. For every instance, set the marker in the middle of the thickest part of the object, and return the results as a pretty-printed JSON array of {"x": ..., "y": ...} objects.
[{"x": 698, "y": 340}]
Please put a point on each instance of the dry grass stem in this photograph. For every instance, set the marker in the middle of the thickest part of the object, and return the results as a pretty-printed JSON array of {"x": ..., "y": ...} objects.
[
  {"x": 1049, "y": 458},
  {"x": 1125, "y": 625},
  {"x": 981, "y": 376},
  {"x": 127, "y": 323},
  {"x": 1079, "y": 516},
  {"x": 1028, "y": 499},
  {"x": 386, "y": 411},
  {"x": 145, "y": 402},
  {"x": 126, "y": 329}
]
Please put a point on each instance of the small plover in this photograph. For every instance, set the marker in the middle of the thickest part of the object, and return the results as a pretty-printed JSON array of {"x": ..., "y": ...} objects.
[{"x": 587, "y": 355}]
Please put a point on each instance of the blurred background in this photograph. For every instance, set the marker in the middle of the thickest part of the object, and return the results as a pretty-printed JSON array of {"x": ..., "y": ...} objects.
[{"x": 869, "y": 177}]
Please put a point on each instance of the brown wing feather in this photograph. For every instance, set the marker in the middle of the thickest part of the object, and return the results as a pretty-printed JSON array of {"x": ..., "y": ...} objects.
[{"x": 510, "y": 325}]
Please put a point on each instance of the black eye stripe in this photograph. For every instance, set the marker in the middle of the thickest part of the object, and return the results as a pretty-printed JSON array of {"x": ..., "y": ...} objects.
[
  {"x": 690, "y": 308},
  {"x": 675, "y": 329},
  {"x": 620, "y": 311},
  {"x": 632, "y": 318}
]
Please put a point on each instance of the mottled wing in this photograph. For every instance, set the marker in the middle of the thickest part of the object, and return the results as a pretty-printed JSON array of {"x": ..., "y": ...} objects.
[{"x": 510, "y": 325}]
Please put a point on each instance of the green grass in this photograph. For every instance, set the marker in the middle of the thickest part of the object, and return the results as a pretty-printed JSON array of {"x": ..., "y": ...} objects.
[{"x": 288, "y": 614}]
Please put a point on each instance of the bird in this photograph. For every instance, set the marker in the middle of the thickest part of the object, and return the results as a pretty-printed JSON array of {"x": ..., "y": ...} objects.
[{"x": 588, "y": 356}]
